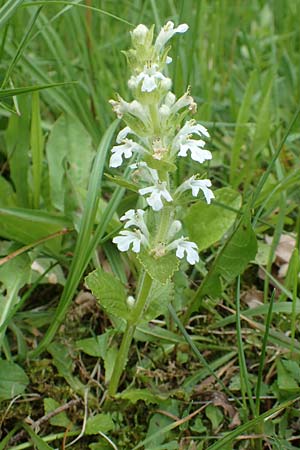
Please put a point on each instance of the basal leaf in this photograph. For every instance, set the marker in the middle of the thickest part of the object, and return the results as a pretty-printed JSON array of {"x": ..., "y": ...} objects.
[
  {"x": 95, "y": 346},
  {"x": 160, "y": 269},
  {"x": 206, "y": 224},
  {"x": 134, "y": 395},
  {"x": 13, "y": 380},
  {"x": 59, "y": 420},
  {"x": 99, "y": 423},
  {"x": 28, "y": 226},
  {"x": 69, "y": 154},
  {"x": 64, "y": 363},
  {"x": 109, "y": 291},
  {"x": 285, "y": 379}
]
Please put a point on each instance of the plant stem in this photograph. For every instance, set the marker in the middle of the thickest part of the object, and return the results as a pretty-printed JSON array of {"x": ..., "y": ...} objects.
[
  {"x": 137, "y": 311},
  {"x": 121, "y": 359}
]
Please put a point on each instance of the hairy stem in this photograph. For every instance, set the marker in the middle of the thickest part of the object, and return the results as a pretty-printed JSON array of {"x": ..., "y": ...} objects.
[{"x": 136, "y": 314}]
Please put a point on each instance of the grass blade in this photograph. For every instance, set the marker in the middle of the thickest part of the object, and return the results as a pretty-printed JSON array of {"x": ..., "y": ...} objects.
[
  {"x": 21, "y": 47},
  {"x": 231, "y": 436},
  {"x": 8, "y": 9},
  {"x": 5, "y": 93},
  {"x": 244, "y": 376},
  {"x": 36, "y": 148},
  {"x": 263, "y": 354}
]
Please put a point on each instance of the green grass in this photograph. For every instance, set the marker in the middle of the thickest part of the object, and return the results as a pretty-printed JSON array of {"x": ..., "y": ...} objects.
[{"x": 236, "y": 362}]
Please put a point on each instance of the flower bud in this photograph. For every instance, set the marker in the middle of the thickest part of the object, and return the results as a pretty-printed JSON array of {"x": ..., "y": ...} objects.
[
  {"x": 130, "y": 301},
  {"x": 139, "y": 35}
]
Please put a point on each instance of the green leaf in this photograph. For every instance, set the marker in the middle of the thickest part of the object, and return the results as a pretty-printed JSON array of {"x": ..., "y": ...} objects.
[
  {"x": 69, "y": 154},
  {"x": 61, "y": 419},
  {"x": 286, "y": 377},
  {"x": 99, "y": 423},
  {"x": 232, "y": 260},
  {"x": 239, "y": 250},
  {"x": 110, "y": 293},
  {"x": 134, "y": 395},
  {"x": 7, "y": 194},
  {"x": 63, "y": 361},
  {"x": 160, "y": 269},
  {"x": 206, "y": 224},
  {"x": 28, "y": 226},
  {"x": 21, "y": 266},
  {"x": 215, "y": 416},
  {"x": 95, "y": 346},
  {"x": 13, "y": 380},
  {"x": 161, "y": 295}
]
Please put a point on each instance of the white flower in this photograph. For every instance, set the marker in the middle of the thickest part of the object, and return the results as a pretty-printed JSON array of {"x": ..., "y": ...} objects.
[
  {"x": 192, "y": 127},
  {"x": 123, "y": 150},
  {"x": 133, "y": 108},
  {"x": 149, "y": 78},
  {"x": 184, "y": 247},
  {"x": 122, "y": 135},
  {"x": 195, "y": 185},
  {"x": 135, "y": 218},
  {"x": 185, "y": 100},
  {"x": 167, "y": 32},
  {"x": 158, "y": 191},
  {"x": 195, "y": 146},
  {"x": 128, "y": 238},
  {"x": 145, "y": 172}
]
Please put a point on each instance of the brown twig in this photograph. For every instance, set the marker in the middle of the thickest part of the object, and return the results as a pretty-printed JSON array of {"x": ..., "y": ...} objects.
[
  {"x": 35, "y": 425},
  {"x": 33, "y": 244}
]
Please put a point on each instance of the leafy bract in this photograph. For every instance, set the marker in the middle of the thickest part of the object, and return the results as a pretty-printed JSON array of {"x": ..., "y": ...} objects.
[
  {"x": 160, "y": 269},
  {"x": 206, "y": 224}
]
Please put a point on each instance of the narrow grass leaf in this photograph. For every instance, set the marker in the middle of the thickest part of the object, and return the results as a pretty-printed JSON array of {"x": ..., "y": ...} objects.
[
  {"x": 8, "y": 10},
  {"x": 36, "y": 440},
  {"x": 230, "y": 437},
  {"x": 271, "y": 164},
  {"x": 244, "y": 376},
  {"x": 5, "y": 93},
  {"x": 294, "y": 265},
  {"x": 37, "y": 147},
  {"x": 263, "y": 355},
  {"x": 20, "y": 48}
]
